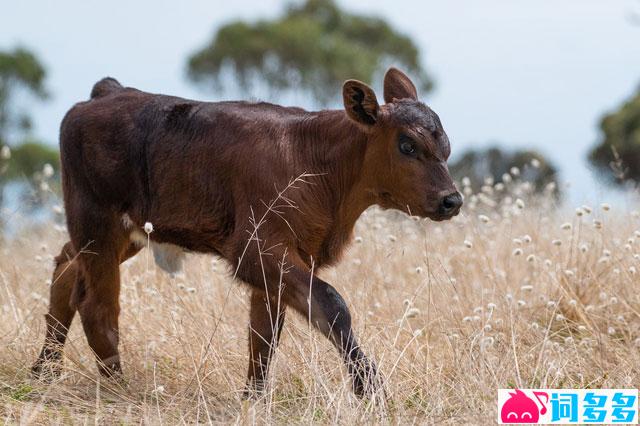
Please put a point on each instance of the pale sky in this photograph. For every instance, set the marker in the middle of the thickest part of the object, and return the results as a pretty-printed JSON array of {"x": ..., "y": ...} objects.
[{"x": 527, "y": 74}]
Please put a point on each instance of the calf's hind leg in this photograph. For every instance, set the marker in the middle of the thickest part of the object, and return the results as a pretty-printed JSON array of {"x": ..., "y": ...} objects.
[
  {"x": 60, "y": 314},
  {"x": 62, "y": 310},
  {"x": 105, "y": 242}
]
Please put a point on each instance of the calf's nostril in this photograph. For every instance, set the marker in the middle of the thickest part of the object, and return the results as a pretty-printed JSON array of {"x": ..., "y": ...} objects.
[
  {"x": 448, "y": 203},
  {"x": 451, "y": 202}
]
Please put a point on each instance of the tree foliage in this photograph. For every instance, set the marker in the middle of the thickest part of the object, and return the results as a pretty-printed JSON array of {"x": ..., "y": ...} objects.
[
  {"x": 617, "y": 157},
  {"x": 313, "y": 46},
  {"x": 29, "y": 158},
  {"x": 494, "y": 163},
  {"x": 19, "y": 69},
  {"x": 21, "y": 158}
]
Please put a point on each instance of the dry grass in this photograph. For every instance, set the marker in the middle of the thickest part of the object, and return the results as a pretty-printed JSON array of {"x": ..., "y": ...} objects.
[{"x": 449, "y": 311}]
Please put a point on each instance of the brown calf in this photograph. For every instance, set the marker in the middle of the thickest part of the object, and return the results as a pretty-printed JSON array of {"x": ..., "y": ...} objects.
[{"x": 206, "y": 176}]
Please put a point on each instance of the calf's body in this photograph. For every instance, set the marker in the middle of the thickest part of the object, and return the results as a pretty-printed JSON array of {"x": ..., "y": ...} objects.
[{"x": 275, "y": 191}]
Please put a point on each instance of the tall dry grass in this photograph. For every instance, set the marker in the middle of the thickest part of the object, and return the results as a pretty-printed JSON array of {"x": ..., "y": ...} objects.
[{"x": 513, "y": 292}]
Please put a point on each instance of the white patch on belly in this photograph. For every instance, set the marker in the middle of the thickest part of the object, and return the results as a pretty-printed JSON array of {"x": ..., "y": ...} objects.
[{"x": 168, "y": 257}]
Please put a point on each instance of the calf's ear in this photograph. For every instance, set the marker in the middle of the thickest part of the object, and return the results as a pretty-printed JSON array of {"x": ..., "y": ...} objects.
[
  {"x": 398, "y": 86},
  {"x": 360, "y": 102}
]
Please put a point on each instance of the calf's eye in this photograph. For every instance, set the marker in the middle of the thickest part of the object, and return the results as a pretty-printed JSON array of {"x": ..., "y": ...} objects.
[{"x": 407, "y": 148}]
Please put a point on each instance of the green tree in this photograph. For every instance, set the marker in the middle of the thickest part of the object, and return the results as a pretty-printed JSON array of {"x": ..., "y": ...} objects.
[
  {"x": 19, "y": 69},
  {"x": 617, "y": 156},
  {"x": 495, "y": 163},
  {"x": 314, "y": 46},
  {"x": 21, "y": 158},
  {"x": 29, "y": 159}
]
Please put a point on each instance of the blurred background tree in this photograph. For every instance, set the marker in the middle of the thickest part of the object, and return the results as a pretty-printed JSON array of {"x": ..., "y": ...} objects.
[
  {"x": 501, "y": 166},
  {"x": 314, "y": 46},
  {"x": 617, "y": 156},
  {"x": 22, "y": 157},
  {"x": 19, "y": 70}
]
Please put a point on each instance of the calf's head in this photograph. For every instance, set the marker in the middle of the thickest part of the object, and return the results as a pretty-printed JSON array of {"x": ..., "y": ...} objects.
[{"x": 405, "y": 164}]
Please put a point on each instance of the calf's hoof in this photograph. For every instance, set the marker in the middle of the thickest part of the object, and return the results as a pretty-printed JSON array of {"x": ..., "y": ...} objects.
[
  {"x": 48, "y": 366},
  {"x": 253, "y": 390},
  {"x": 366, "y": 379},
  {"x": 46, "y": 370}
]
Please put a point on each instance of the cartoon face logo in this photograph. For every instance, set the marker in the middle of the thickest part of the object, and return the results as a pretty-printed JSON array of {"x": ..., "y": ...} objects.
[{"x": 519, "y": 408}]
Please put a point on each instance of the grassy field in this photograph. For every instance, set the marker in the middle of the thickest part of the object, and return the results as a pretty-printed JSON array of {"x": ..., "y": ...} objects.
[{"x": 513, "y": 292}]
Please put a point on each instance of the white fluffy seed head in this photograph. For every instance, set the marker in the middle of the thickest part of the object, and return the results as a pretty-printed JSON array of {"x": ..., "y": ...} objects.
[
  {"x": 515, "y": 171},
  {"x": 556, "y": 242},
  {"x": 47, "y": 170},
  {"x": 517, "y": 252},
  {"x": 535, "y": 163},
  {"x": 527, "y": 239},
  {"x": 468, "y": 244},
  {"x": 148, "y": 227},
  {"x": 520, "y": 204},
  {"x": 597, "y": 224},
  {"x": 531, "y": 258},
  {"x": 566, "y": 226},
  {"x": 605, "y": 206},
  {"x": 412, "y": 312},
  {"x": 483, "y": 218},
  {"x": 5, "y": 152}
]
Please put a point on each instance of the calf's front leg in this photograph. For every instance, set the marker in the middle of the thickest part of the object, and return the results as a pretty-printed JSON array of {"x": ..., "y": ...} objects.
[
  {"x": 321, "y": 303},
  {"x": 265, "y": 326},
  {"x": 329, "y": 313}
]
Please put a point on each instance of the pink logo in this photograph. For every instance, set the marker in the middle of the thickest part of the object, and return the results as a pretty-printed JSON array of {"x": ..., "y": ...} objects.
[{"x": 519, "y": 408}]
